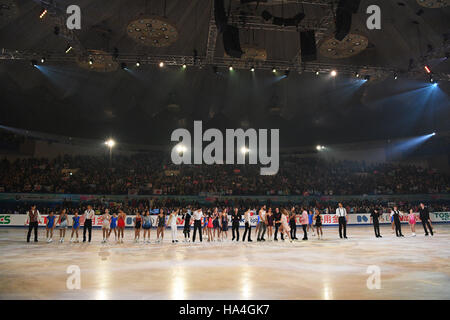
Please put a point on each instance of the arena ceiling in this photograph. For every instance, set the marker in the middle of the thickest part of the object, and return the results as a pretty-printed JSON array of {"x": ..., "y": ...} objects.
[{"x": 145, "y": 104}]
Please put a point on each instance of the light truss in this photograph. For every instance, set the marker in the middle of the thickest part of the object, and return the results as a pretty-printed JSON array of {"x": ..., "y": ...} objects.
[
  {"x": 220, "y": 62},
  {"x": 212, "y": 37}
]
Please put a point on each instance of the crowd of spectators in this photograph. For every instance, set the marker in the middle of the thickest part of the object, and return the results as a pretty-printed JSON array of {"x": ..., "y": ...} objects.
[{"x": 153, "y": 174}]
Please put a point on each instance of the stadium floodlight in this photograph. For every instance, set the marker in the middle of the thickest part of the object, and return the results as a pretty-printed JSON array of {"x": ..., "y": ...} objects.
[
  {"x": 110, "y": 143},
  {"x": 320, "y": 148},
  {"x": 181, "y": 148},
  {"x": 244, "y": 150},
  {"x": 333, "y": 73}
]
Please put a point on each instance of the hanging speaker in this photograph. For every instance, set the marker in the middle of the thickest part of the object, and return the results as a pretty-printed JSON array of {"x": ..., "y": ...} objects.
[
  {"x": 308, "y": 45},
  {"x": 231, "y": 42},
  {"x": 344, "y": 13},
  {"x": 220, "y": 15}
]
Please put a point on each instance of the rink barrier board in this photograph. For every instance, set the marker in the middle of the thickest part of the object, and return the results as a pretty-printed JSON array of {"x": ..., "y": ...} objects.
[{"x": 361, "y": 219}]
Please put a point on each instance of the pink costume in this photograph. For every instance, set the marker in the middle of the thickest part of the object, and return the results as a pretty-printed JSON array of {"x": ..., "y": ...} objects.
[{"x": 412, "y": 218}]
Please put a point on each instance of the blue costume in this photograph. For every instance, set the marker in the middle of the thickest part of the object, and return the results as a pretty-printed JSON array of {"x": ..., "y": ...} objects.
[
  {"x": 113, "y": 223},
  {"x": 76, "y": 222},
  {"x": 50, "y": 221}
]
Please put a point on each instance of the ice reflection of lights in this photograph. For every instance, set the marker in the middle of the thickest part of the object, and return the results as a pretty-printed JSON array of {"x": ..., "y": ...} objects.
[
  {"x": 179, "y": 285},
  {"x": 103, "y": 276},
  {"x": 327, "y": 292},
  {"x": 246, "y": 284},
  {"x": 101, "y": 295}
]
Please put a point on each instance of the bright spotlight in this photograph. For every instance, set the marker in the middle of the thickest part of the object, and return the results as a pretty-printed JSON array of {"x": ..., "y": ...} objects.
[
  {"x": 138, "y": 64},
  {"x": 274, "y": 70},
  {"x": 433, "y": 134},
  {"x": 230, "y": 68},
  {"x": 91, "y": 62},
  {"x": 161, "y": 64},
  {"x": 334, "y": 73},
  {"x": 181, "y": 148},
  {"x": 252, "y": 69},
  {"x": 244, "y": 150},
  {"x": 320, "y": 148},
  {"x": 110, "y": 143},
  {"x": 184, "y": 66},
  {"x": 42, "y": 60},
  {"x": 317, "y": 73}
]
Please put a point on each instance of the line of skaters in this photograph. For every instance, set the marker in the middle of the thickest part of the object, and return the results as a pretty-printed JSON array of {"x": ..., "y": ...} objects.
[{"x": 215, "y": 224}]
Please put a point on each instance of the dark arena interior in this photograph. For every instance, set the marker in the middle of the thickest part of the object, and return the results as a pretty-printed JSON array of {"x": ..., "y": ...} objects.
[{"x": 224, "y": 150}]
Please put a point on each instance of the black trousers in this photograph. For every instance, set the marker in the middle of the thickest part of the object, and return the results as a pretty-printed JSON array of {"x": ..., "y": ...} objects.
[
  {"x": 342, "y": 227},
  {"x": 87, "y": 226},
  {"x": 187, "y": 231},
  {"x": 376, "y": 228},
  {"x": 235, "y": 228},
  {"x": 197, "y": 226},
  {"x": 31, "y": 226},
  {"x": 398, "y": 227},
  {"x": 293, "y": 230},
  {"x": 248, "y": 228},
  {"x": 305, "y": 233},
  {"x": 426, "y": 224},
  {"x": 277, "y": 226}
]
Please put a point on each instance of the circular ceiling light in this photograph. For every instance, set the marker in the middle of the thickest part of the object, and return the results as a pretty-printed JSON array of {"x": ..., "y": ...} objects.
[
  {"x": 153, "y": 31},
  {"x": 351, "y": 45}
]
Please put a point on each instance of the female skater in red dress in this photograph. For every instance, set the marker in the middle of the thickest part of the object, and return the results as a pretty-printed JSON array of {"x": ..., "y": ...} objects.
[{"x": 121, "y": 224}]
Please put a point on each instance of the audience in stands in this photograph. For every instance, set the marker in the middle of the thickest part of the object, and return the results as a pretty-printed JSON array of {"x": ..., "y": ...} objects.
[{"x": 155, "y": 175}]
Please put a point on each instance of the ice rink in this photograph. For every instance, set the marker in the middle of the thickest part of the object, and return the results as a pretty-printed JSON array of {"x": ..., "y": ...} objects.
[{"x": 410, "y": 267}]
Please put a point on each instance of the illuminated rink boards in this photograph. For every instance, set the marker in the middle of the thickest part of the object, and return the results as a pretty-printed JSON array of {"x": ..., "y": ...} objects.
[{"x": 411, "y": 268}]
